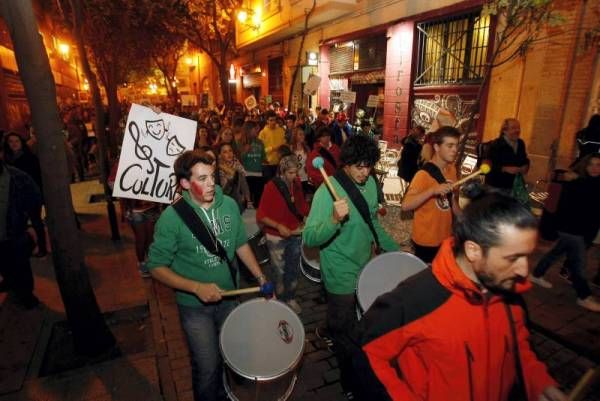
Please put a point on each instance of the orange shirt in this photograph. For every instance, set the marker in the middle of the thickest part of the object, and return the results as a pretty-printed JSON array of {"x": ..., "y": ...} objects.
[{"x": 433, "y": 219}]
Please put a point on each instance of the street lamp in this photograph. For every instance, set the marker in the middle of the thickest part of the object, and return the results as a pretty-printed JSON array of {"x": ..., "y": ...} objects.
[
  {"x": 250, "y": 18},
  {"x": 64, "y": 50}
]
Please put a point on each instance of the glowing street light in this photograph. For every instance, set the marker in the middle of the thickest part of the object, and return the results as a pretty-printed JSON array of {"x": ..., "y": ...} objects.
[{"x": 64, "y": 50}]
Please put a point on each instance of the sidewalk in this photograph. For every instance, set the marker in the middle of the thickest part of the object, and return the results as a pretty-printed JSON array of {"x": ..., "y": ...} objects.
[{"x": 158, "y": 367}]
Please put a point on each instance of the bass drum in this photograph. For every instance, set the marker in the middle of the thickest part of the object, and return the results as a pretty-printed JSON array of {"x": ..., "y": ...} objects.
[
  {"x": 310, "y": 263},
  {"x": 382, "y": 274},
  {"x": 262, "y": 343},
  {"x": 256, "y": 239}
]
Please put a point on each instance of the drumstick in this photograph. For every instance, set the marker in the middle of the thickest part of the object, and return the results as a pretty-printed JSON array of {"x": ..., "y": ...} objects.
[
  {"x": 582, "y": 385},
  {"x": 484, "y": 169},
  {"x": 231, "y": 293},
  {"x": 318, "y": 163}
]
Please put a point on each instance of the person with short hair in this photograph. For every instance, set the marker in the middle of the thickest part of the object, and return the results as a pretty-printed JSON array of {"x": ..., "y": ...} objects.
[
  {"x": 341, "y": 129},
  {"x": 429, "y": 195},
  {"x": 458, "y": 331},
  {"x": 325, "y": 149},
  {"x": 508, "y": 156},
  {"x": 253, "y": 157},
  {"x": 408, "y": 165},
  {"x": 282, "y": 211},
  {"x": 198, "y": 276},
  {"x": 348, "y": 234},
  {"x": 273, "y": 136}
]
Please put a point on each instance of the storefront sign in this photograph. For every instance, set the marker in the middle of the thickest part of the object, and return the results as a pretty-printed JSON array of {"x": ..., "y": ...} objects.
[
  {"x": 151, "y": 144},
  {"x": 250, "y": 102}
]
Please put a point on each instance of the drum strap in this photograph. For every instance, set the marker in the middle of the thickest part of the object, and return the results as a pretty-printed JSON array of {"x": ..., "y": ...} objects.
[
  {"x": 359, "y": 202},
  {"x": 203, "y": 234},
  {"x": 285, "y": 192},
  {"x": 327, "y": 155},
  {"x": 435, "y": 173}
]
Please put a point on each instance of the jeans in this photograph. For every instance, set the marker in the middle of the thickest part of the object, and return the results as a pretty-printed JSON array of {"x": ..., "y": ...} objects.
[
  {"x": 201, "y": 325},
  {"x": 342, "y": 324},
  {"x": 575, "y": 248},
  {"x": 285, "y": 257}
]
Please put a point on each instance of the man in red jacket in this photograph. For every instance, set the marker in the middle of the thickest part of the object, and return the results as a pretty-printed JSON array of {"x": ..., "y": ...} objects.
[{"x": 457, "y": 331}]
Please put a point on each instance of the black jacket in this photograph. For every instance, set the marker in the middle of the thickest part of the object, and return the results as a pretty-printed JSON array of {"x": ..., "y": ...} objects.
[
  {"x": 501, "y": 154},
  {"x": 23, "y": 198},
  {"x": 578, "y": 210},
  {"x": 408, "y": 165}
]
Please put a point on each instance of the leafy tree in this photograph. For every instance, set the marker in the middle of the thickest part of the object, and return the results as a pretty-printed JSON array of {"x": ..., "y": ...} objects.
[
  {"x": 210, "y": 26},
  {"x": 520, "y": 24}
]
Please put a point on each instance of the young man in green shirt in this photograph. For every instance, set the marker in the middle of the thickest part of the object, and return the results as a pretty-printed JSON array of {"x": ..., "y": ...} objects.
[
  {"x": 346, "y": 242},
  {"x": 180, "y": 261}
]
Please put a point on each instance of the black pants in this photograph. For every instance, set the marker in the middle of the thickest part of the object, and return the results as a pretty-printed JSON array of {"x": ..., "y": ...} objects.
[
  {"x": 425, "y": 253},
  {"x": 342, "y": 322},
  {"x": 15, "y": 267},
  {"x": 256, "y": 186}
]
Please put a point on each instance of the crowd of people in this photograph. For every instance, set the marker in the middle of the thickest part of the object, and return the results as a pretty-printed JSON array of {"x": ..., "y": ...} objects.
[{"x": 404, "y": 345}]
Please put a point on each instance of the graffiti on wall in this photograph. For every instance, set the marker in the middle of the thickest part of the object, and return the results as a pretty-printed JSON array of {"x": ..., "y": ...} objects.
[{"x": 432, "y": 113}]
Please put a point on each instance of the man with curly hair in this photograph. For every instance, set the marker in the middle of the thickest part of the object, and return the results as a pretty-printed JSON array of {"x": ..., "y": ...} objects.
[{"x": 348, "y": 233}]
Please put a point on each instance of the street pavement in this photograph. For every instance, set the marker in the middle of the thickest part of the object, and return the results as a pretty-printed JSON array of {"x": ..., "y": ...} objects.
[{"x": 565, "y": 336}]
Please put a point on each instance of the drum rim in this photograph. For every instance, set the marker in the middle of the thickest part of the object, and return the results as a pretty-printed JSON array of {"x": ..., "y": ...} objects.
[
  {"x": 305, "y": 273},
  {"x": 304, "y": 258},
  {"x": 285, "y": 396},
  {"x": 294, "y": 365},
  {"x": 361, "y": 307}
]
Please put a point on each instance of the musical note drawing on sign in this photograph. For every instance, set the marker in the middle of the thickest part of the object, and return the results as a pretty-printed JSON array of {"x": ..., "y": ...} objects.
[{"x": 145, "y": 168}]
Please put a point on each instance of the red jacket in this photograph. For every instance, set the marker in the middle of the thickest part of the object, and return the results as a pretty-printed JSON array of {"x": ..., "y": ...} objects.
[
  {"x": 314, "y": 175},
  {"x": 450, "y": 340},
  {"x": 273, "y": 205}
]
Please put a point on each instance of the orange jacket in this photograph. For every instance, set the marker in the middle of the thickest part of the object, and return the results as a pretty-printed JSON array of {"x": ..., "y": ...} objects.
[{"x": 450, "y": 340}]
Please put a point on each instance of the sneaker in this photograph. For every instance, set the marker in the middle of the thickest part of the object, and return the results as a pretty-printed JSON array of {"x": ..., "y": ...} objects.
[
  {"x": 295, "y": 306},
  {"x": 349, "y": 395},
  {"x": 564, "y": 274},
  {"x": 323, "y": 334},
  {"x": 589, "y": 303},
  {"x": 542, "y": 282}
]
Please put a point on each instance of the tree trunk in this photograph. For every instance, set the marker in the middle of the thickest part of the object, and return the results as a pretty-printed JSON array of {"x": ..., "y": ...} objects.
[
  {"x": 99, "y": 126},
  {"x": 224, "y": 80},
  {"x": 90, "y": 333},
  {"x": 299, "y": 58},
  {"x": 114, "y": 112}
]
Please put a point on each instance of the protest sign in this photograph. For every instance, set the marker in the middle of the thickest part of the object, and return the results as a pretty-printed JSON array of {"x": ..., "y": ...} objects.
[
  {"x": 151, "y": 144},
  {"x": 311, "y": 86},
  {"x": 348, "y": 97},
  {"x": 373, "y": 101},
  {"x": 250, "y": 102}
]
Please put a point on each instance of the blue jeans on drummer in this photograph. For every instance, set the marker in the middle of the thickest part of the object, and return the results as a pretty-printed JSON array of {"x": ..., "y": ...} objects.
[
  {"x": 575, "y": 248},
  {"x": 285, "y": 257},
  {"x": 201, "y": 325}
]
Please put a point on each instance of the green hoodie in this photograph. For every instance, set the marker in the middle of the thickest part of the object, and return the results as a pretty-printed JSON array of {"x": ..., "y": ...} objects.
[
  {"x": 345, "y": 248},
  {"x": 176, "y": 247}
]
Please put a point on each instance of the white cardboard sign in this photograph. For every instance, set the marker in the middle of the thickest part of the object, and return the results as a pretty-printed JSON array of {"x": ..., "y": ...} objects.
[
  {"x": 311, "y": 86},
  {"x": 151, "y": 144},
  {"x": 373, "y": 101},
  {"x": 348, "y": 97}
]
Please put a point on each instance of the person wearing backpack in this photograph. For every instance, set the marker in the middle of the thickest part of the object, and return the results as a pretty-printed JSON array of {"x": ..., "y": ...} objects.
[
  {"x": 282, "y": 211},
  {"x": 429, "y": 195}
]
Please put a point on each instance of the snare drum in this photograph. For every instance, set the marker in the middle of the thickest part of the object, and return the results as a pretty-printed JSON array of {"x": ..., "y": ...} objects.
[
  {"x": 310, "y": 263},
  {"x": 256, "y": 239},
  {"x": 382, "y": 274},
  {"x": 262, "y": 343}
]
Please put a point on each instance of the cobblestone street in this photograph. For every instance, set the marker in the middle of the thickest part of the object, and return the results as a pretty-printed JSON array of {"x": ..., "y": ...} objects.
[{"x": 161, "y": 369}]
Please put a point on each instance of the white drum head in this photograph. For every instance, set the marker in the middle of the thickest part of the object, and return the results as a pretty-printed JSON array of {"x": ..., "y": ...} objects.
[
  {"x": 249, "y": 218},
  {"x": 311, "y": 257},
  {"x": 262, "y": 339},
  {"x": 383, "y": 273}
]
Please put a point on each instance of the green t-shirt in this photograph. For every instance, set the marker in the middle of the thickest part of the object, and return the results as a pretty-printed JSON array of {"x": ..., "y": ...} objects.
[
  {"x": 175, "y": 246},
  {"x": 254, "y": 158},
  {"x": 350, "y": 248}
]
